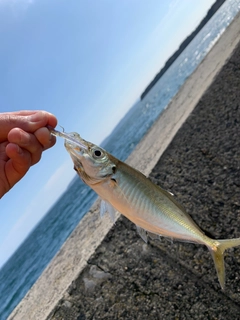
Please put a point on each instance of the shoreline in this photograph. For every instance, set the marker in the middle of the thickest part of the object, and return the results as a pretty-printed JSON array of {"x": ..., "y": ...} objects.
[
  {"x": 214, "y": 8},
  {"x": 73, "y": 257}
]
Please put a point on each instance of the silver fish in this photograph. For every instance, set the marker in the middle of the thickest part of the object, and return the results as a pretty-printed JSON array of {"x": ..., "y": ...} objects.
[{"x": 154, "y": 210}]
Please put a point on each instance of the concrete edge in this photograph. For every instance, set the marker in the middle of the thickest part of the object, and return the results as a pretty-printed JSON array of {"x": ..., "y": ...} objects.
[{"x": 72, "y": 257}]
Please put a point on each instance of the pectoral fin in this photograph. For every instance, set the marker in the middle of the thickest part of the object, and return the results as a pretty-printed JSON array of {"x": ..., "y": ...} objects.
[{"x": 102, "y": 208}]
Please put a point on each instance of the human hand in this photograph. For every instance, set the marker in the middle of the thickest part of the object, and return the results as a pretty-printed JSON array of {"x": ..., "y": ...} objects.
[{"x": 23, "y": 138}]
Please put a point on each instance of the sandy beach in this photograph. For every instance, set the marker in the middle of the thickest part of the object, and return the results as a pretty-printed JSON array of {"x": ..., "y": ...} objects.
[{"x": 106, "y": 271}]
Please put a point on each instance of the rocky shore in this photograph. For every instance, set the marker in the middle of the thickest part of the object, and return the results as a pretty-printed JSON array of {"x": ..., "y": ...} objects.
[{"x": 125, "y": 278}]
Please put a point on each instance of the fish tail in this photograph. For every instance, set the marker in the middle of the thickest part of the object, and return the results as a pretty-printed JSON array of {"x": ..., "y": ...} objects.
[{"x": 217, "y": 252}]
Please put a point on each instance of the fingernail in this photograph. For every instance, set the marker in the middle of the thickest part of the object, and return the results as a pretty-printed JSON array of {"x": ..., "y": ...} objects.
[{"x": 19, "y": 150}]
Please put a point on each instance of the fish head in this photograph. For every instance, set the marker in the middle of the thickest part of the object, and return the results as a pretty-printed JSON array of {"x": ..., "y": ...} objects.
[{"x": 91, "y": 162}]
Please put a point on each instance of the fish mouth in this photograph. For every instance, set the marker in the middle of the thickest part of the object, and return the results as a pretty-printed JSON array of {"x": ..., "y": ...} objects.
[
  {"x": 76, "y": 151},
  {"x": 73, "y": 148},
  {"x": 72, "y": 139}
]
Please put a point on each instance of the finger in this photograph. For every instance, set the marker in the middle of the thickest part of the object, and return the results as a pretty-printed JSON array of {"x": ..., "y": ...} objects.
[
  {"x": 3, "y": 155},
  {"x": 26, "y": 120},
  {"x": 28, "y": 142},
  {"x": 18, "y": 164},
  {"x": 52, "y": 118},
  {"x": 22, "y": 112},
  {"x": 46, "y": 139}
]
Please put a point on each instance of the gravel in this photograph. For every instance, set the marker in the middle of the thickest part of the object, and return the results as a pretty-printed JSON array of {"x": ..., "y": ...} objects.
[{"x": 128, "y": 279}]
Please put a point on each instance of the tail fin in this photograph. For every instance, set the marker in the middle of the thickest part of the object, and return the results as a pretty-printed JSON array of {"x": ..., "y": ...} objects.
[{"x": 218, "y": 257}]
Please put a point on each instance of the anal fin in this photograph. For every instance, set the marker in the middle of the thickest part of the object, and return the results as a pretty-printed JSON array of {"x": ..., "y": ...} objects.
[{"x": 143, "y": 233}]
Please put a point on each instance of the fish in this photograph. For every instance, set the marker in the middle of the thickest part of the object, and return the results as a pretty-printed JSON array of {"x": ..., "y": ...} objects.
[{"x": 126, "y": 190}]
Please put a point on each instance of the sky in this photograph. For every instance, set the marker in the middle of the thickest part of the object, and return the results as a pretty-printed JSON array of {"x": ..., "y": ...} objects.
[{"x": 87, "y": 62}]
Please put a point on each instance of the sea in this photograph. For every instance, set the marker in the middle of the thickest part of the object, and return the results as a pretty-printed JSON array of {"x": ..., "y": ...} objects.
[{"x": 26, "y": 265}]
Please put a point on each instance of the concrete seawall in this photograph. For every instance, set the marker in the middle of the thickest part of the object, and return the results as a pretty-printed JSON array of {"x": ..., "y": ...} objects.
[{"x": 102, "y": 274}]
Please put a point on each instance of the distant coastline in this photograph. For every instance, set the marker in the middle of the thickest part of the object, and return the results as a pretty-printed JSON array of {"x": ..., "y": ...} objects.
[{"x": 184, "y": 44}]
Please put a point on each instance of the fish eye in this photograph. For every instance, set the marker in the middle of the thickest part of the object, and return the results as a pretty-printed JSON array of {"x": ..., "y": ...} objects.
[{"x": 97, "y": 153}]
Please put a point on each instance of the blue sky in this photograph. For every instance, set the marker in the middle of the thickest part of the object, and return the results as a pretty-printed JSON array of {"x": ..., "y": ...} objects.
[{"x": 87, "y": 62}]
